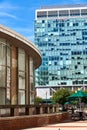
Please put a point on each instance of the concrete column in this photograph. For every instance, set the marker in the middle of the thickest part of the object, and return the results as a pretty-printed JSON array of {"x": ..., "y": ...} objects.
[
  {"x": 53, "y": 109},
  {"x": 57, "y": 109},
  {"x": 32, "y": 111},
  {"x": 41, "y": 110},
  {"x": 28, "y": 80},
  {"x": 14, "y": 77},
  {"x": 48, "y": 109},
  {"x": 16, "y": 111}
]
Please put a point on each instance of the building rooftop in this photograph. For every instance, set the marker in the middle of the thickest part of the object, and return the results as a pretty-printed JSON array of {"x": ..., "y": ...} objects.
[{"x": 64, "y": 6}]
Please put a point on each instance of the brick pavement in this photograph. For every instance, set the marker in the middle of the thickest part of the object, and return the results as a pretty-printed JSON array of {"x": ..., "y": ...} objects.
[{"x": 69, "y": 125}]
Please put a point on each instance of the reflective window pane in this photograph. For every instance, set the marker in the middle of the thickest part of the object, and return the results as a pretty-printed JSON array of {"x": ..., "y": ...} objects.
[
  {"x": 21, "y": 76},
  {"x": 21, "y": 97},
  {"x": 2, "y": 76},
  {"x": 2, "y": 94},
  {"x": 31, "y": 81}
]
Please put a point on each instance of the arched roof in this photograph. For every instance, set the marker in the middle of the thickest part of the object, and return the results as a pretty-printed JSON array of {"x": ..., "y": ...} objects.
[{"x": 17, "y": 40}]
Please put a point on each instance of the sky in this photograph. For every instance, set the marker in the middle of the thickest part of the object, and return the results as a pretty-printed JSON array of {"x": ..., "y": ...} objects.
[{"x": 19, "y": 15}]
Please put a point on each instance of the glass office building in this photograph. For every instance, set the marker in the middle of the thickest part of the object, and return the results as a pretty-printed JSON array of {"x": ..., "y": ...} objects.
[{"x": 61, "y": 35}]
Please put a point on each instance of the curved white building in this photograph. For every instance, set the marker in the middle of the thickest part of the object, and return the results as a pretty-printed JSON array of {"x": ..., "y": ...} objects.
[{"x": 18, "y": 60}]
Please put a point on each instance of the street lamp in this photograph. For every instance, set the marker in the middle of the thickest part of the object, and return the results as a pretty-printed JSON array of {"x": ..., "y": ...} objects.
[{"x": 46, "y": 97}]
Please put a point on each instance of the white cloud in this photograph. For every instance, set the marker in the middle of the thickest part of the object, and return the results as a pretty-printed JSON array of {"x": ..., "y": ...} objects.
[
  {"x": 8, "y": 10},
  {"x": 26, "y": 30},
  {"x": 4, "y": 14},
  {"x": 7, "y": 6}
]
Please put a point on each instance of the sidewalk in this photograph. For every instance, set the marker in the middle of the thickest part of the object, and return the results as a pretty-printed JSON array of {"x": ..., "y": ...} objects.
[{"x": 69, "y": 125}]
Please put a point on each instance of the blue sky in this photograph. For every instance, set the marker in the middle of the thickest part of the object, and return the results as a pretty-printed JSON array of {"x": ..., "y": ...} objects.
[{"x": 19, "y": 15}]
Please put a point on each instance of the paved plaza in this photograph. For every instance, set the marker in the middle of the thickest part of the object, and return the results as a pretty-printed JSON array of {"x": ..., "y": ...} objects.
[{"x": 69, "y": 125}]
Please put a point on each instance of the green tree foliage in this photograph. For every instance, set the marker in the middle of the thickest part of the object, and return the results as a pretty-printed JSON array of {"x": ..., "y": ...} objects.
[
  {"x": 84, "y": 99},
  {"x": 38, "y": 100},
  {"x": 85, "y": 91},
  {"x": 61, "y": 95}
]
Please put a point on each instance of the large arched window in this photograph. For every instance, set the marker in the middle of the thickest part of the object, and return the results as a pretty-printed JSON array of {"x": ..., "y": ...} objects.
[
  {"x": 21, "y": 76},
  {"x": 5, "y": 67},
  {"x": 32, "y": 85}
]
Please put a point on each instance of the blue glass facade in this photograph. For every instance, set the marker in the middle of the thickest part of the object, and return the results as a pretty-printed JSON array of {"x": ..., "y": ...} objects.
[{"x": 63, "y": 44}]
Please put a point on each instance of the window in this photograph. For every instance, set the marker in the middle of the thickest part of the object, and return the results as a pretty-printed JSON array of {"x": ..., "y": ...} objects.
[
  {"x": 32, "y": 90},
  {"x": 63, "y": 13},
  {"x": 76, "y": 66},
  {"x": 74, "y": 12},
  {"x": 5, "y": 72},
  {"x": 61, "y": 24},
  {"x": 75, "y": 24},
  {"x": 52, "y": 13},
  {"x": 41, "y": 14},
  {"x": 84, "y": 12},
  {"x": 85, "y": 24},
  {"x": 21, "y": 76}
]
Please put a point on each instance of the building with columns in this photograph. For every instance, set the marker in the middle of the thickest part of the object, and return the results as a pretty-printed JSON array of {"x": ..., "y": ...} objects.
[{"x": 18, "y": 60}]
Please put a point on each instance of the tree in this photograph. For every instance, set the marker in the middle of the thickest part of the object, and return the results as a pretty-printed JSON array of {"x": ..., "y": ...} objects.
[
  {"x": 60, "y": 96},
  {"x": 38, "y": 100}
]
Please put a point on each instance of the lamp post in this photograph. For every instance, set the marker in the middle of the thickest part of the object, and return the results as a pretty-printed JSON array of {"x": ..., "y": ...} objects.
[{"x": 46, "y": 97}]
